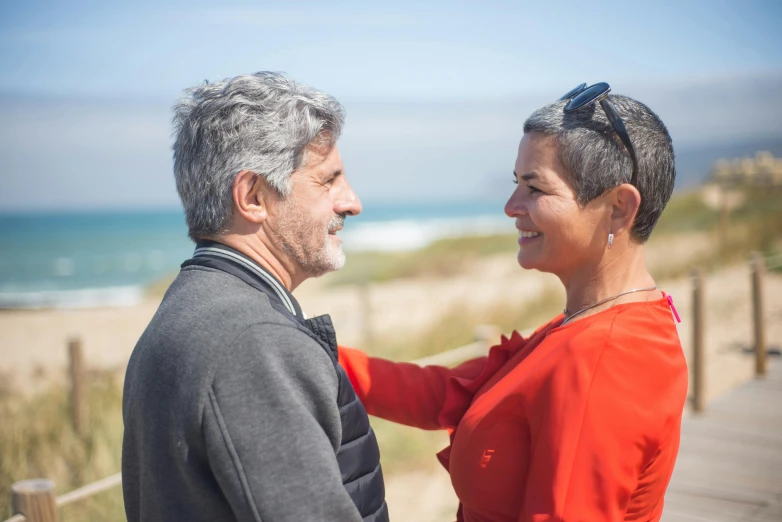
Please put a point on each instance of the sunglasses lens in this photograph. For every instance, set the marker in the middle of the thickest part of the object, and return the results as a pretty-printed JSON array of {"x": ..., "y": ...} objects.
[
  {"x": 573, "y": 92},
  {"x": 587, "y": 96}
]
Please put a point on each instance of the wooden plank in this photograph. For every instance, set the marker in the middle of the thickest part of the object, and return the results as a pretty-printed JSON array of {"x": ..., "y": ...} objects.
[
  {"x": 733, "y": 432},
  {"x": 711, "y": 508},
  {"x": 730, "y": 459},
  {"x": 772, "y": 513}
]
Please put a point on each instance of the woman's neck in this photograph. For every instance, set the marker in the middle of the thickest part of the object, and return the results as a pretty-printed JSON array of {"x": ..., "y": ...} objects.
[{"x": 615, "y": 275}]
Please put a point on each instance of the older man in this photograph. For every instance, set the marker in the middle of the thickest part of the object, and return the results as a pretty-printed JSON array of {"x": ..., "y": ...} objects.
[{"x": 235, "y": 407}]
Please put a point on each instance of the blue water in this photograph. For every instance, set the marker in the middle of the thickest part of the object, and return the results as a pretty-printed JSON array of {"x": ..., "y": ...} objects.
[
  {"x": 58, "y": 252},
  {"x": 51, "y": 260}
]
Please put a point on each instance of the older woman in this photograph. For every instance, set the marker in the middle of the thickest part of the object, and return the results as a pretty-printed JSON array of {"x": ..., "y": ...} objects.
[{"x": 581, "y": 420}]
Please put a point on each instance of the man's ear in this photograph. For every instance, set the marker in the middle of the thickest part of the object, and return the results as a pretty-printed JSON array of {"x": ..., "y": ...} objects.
[
  {"x": 625, "y": 202},
  {"x": 250, "y": 195}
]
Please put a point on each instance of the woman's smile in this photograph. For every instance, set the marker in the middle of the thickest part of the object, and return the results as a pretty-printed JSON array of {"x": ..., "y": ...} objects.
[{"x": 528, "y": 236}]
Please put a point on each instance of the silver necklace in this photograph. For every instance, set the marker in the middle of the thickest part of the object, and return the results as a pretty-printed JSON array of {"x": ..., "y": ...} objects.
[{"x": 617, "y": 296}]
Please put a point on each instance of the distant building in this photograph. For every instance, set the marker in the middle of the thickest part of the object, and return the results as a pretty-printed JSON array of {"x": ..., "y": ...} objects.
[{"x": 764, "y": 170}]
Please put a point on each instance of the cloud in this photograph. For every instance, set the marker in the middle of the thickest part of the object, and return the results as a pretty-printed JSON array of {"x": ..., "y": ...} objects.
[
  {"x": 77, "y": 154},
  {"x": 66, "y": 154},
  {"x": 718, "y": 108}
]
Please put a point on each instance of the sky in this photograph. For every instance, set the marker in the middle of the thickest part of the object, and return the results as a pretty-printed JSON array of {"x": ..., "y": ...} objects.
[{"x": 436, "y": 92}]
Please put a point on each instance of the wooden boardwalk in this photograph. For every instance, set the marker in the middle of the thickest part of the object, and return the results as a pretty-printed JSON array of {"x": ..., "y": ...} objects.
[{"x": 730, "y": 461}]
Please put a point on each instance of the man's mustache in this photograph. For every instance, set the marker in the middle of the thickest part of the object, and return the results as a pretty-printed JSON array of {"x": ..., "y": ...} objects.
[{"x": 337, "y": 222}]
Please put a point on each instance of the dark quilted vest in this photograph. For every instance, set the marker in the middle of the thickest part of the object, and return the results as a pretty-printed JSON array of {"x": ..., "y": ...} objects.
[{"x": 358, "y": 455}]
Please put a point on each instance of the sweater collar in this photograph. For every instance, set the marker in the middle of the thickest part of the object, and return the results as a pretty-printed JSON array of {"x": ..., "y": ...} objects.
[{"x": 206, "y": 249}]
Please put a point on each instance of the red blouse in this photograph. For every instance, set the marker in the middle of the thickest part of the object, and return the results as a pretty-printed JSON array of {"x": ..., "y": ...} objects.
[{"x": 578, "y": 422}]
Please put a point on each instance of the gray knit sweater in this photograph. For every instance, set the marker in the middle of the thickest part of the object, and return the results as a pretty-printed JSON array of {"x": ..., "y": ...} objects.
[{"x": 230, "y": 412}]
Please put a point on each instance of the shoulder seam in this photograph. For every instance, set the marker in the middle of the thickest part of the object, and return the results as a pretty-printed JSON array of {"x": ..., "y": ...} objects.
[{"x": 292, "y": 327}]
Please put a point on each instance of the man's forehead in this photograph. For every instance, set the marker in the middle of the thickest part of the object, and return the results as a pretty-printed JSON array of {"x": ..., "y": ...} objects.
[{"x": 319, "y": 158}]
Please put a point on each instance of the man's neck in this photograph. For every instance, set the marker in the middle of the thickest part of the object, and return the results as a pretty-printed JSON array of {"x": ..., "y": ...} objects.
[{"x": 255, "y": 249}]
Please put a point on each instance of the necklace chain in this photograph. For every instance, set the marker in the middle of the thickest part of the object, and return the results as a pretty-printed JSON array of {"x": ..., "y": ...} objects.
[{"x": 617, "y": 296}]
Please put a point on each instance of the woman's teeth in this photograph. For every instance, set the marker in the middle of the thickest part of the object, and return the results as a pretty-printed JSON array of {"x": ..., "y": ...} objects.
[{"x": 525, "y": 233}]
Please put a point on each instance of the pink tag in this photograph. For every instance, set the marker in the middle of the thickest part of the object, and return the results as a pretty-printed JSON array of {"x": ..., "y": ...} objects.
[{"x": 675, "y": 313}]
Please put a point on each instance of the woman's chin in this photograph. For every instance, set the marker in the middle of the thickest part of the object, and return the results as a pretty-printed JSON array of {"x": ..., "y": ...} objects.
[{"x": 528, "y": 262}]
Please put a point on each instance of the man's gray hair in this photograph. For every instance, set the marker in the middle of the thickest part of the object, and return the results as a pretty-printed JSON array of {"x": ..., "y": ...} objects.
[
  {"x": 260, "y": 122},
  {"x": 597, "y": 160}
]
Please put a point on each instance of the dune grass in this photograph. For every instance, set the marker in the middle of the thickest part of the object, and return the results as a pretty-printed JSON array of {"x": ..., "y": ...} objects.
[
  {"x": 754, "y": 225},
  {"x": 442, "y": 258},
  {"x": 37, "y": 440}
]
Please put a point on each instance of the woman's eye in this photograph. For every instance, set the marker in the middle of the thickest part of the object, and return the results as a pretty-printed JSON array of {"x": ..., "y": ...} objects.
[
  {"x": 515, "y": 180},
  {"x": 533, "y": 189}
]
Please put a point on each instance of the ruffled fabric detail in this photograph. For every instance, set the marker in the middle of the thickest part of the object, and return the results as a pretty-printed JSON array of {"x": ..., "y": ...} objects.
[{"x": 460, "y": 391}]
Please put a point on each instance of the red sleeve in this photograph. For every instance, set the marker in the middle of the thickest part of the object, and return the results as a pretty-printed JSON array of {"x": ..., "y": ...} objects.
[
  {"x": 403, "y": 392},
  {"x": 588, "y": 448}
]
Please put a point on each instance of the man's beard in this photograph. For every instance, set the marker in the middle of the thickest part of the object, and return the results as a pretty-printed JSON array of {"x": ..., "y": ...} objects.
[{"x": 308, "y": 243}]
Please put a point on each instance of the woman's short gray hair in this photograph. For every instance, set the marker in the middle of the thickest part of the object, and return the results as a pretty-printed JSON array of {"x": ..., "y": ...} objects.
[
  {"x": 260, "y": 122},
  {"x": 597, "y": 160}
]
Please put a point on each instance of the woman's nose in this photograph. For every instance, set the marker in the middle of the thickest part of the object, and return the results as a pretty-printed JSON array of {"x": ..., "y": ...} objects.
[{"x": 515, "y": 206}]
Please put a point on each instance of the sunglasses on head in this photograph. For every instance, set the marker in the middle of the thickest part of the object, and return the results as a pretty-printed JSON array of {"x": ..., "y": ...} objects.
[{"x": 582, "y": 96}]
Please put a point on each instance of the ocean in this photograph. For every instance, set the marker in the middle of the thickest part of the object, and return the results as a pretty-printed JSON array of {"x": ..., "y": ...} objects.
[{"x": 91, "y": 259}]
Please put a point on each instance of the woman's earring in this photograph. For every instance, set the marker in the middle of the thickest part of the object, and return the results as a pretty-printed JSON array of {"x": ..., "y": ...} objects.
[{"x": 610, "y": 240}]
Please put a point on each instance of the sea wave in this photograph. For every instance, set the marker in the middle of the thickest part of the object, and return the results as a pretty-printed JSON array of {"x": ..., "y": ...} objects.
[
  {"x": 116, "y": 296},
  {"x": 398, "y": 235}
]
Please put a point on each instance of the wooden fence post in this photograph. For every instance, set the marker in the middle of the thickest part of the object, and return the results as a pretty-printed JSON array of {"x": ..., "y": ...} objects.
[
  {"x": 758, "y": 269},
  {"x": 35, "y": 500},
  {"x": 78, "y": 406},
  {"x": 723, "y": 217},
  {"x": 698, "y": 384}
]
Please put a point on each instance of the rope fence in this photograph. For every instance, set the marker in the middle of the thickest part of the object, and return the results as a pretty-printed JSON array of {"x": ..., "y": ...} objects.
[{"x": 90, "y": 490}]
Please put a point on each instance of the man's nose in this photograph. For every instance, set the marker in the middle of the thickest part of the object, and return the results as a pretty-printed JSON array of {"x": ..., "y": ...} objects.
[{"x": 348, "y": 202}]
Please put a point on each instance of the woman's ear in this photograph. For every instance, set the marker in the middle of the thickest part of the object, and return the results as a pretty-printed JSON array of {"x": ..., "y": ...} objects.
[
  {"x": 250, "y": 193},
  {"x": 625, "y": 202}
]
